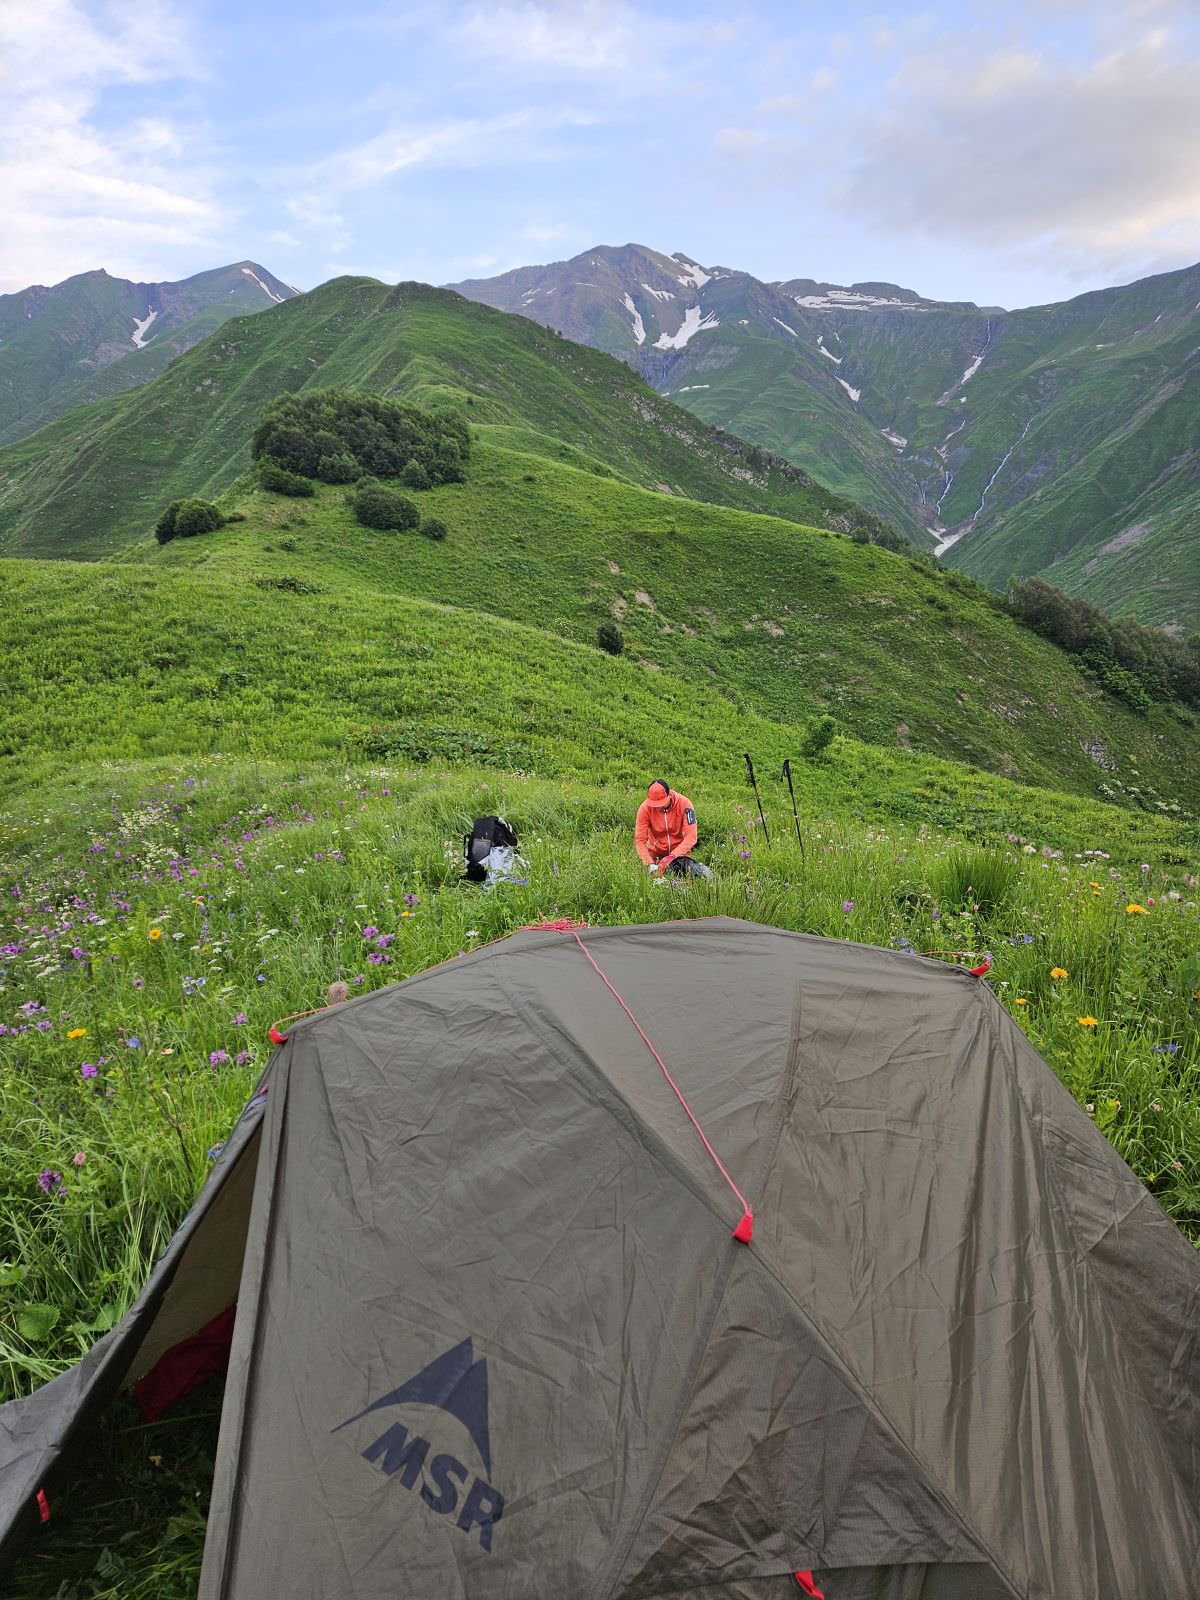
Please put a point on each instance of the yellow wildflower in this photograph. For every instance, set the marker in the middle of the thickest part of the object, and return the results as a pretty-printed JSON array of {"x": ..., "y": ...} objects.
[
  {"x": 1059, "y": 972},
  {"x": 77, "y": 1033},
  {"x": 1021, "y": 1002},
  {"x": 155, "y": 933},
  {"x": 1134, "y": 910},
  {"x": 1092, "y": 884},
  {"x": 1088, "y": 1022}
]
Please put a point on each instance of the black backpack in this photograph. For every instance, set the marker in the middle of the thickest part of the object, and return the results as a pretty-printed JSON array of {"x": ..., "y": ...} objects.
[{"x": 485, "y": 834}]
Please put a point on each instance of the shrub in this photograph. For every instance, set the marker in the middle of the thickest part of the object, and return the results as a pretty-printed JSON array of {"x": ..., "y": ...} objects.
[
  {"x": 415, "y": 476},
  {"x": 164, "y": 528},
  {"x": 280, "y": 480},
  {"x": 378, "y": 507},
  {"x": 610, "y": 638},
  {"x": 341, "y": 467},
  {"x": 434, "y": 528},
  {"x": 196, "y": 516},
  {"x": 817, "y": 738},
  {"x": 288, "y": 584}
]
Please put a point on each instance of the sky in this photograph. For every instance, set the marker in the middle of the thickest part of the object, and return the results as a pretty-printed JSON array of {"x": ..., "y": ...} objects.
[{"x": 1010, "y": 154}]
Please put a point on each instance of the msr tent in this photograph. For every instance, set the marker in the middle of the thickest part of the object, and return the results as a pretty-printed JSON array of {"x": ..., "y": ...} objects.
[{"x": 505, "y": 1330}]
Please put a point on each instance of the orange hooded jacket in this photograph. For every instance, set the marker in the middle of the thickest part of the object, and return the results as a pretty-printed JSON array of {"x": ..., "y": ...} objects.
[{"x": 663, "y": 835}]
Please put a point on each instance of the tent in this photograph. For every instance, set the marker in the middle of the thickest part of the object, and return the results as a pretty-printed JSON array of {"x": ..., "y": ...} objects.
[{"x": 698, "y": 1260}]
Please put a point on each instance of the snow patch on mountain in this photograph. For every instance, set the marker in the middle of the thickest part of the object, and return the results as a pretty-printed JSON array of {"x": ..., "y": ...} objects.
[
  {"x": 824, "y": 352},
  {"x": 850, "y": 390},
  {"x": 847, "y": 300},
  {"x": 639, "y": 327},
  {"x": 140, "y": 324},
  {"x": 688, "y": 387},
  {"x": 892, "y": 437},
  {"x": 950, "y": 539},
  {"x": 694, "y": 276},
  {"x": 785, "y": 327},
  {"x": 694, "y": 321},
  {"x": 659, "y": 294},
  {"x": 270, "y": 293}
]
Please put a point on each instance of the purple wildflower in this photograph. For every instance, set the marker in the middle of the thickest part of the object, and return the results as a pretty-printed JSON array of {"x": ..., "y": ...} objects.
[
  {"x": 847, "y": 906},
  {"x": 49, "y": 1179},
  {"x": 87, "y": 1070},
  {"x": 411, "y": 900},
  {"x": 44, "y": 1025},
  {"x": 239, "y": 1021},
  {"x": 369, "y": 932},
  {"x": 242, "y": 1057},
  {"x": 79, "y": 1158},
  {"x": 77, "y": 953},
  {"x": 384, "y": 940},
  {"x": 376, "y": 959},
  {"x": 133, "y": 1042},
  {"x": 359, "y": 981},
  {"x": 139, "y": 983},
  {"x": 1169, "y": 1049},
  {"x": 218, "y": 1058}
]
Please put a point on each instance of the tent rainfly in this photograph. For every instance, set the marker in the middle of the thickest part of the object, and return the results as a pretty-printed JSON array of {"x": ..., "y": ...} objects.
[{"x": 700, "y": 1260}]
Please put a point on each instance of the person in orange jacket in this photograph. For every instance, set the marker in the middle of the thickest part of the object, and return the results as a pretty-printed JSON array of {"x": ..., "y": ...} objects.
[{"x": 666, "y": 832}]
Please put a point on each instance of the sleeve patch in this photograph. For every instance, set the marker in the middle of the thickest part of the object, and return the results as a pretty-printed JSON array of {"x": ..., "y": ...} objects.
[{"x": 689, "y": 816}]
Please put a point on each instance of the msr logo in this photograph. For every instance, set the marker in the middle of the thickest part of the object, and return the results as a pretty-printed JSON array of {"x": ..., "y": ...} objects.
[{"x": 456, "y": 1384}]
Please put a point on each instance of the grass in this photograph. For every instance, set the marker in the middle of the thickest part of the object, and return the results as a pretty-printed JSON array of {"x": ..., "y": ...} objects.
[
  {"x": 173, "y": 911},
  {"x": 784, "y": 620}
]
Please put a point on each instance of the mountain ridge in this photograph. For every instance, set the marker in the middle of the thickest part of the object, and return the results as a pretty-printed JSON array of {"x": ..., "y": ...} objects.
[
  {"x": 1001, "y": 439},
  {"x": 93, "y": 334}
]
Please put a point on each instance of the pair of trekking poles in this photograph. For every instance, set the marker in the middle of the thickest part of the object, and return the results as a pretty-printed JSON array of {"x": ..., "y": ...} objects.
[{"x": 784, "y": 776}]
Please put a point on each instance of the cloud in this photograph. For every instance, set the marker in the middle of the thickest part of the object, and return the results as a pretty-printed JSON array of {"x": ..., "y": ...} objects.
[
  {"x": 581, "y": 36},
  {"x": 77, "y": 191},
  {"x": 1081, "y": 162}
]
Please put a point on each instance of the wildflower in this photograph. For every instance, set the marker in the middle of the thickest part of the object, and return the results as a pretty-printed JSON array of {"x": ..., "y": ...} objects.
[
  {"x": 847, "y": 906},
  {"x": 218, "y": 1058},
  {"x": 745, "y": 854},
  {"x": 77, "y": 953},
  {"x": 1134, "y": 910},
  {"x": 43, "y": 1025},
  {"x": 77, "y": 1033},
  {"x": 133, "y": 1042},
  {"x": 338, "y": 991},
  {"x": 1154, "y": 1106},
  {"x": 79, "y": 1158},
  {"x": 384, "y": 940},
  {"x": 1059, "y": 972},
  {"x": 1171, "y": 1048},
  {"x": 1145, "y": 867},
  {"x": 1177, "y": 1166},
  {"x": 167, "y": 1052},
  {"x": 139, "y": 983},
  {"x": 1021, "y": 1001},
  {"x": 239, "y": 1021},
  {"x": 193, "y": 985},
  {"x": 1092, "y": 885},
  {"x": 155, "y": 933},
  {"x": 261, "y": 978},
  {"x": 411, "y": 900},
  {"x": 1088, "y": 1022},
  {"x": 359, "y": 981},
  {"x": 87, "y": 1070},
  {"x": 241, "y": 1058},
  {"x": 369, "y": 932},
  {"x": 376, "y": 959},
  {"x": 49, "y": 1179}
]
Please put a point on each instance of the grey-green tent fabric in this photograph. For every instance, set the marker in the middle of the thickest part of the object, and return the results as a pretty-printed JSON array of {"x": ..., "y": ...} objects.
[{"x": 494, "y": 1337}]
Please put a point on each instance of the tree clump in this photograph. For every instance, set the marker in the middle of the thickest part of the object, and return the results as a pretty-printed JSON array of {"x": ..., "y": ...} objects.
[
  {"x": 184, "y": 519},
  {"x": 610, "y": 638},
  {"x": 1133, "y": 662},
  {"x": 340, "y": 435},
  {"x": 280, "y": 481},
  {"x": 377, "y": 506}
]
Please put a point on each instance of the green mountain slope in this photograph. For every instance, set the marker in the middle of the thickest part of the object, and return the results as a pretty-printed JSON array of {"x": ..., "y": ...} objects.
[
  {"x": 784, "y": 619},
  {"x": 93, "y": 335},
  {"x": 95, "y": 480},
  {"x": 1058, "y": 440}
]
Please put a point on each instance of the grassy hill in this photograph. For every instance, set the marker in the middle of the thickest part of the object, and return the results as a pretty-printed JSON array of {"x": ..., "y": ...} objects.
[
  {"x": 786, "y": 620},
  {"x": 94, "y": 481}
]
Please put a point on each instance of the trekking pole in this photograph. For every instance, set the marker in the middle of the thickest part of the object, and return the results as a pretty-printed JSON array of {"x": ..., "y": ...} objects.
[
  {"x": 787, "y": 774},
  {"x": 754, "y": 786}
]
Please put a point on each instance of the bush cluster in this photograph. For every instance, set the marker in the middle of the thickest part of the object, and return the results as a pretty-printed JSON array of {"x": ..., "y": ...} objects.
[
  {"x": 280, "y": 481},
  {"x": 340, "y": 435},
  {"x": 610, "y": 638},
  {"x": 377, "y": 506},
  {"x": 183, "y": 519},
  {"x": 1135, "y": 663}
]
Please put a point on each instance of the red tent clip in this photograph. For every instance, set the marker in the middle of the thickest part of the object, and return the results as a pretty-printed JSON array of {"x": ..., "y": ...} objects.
[
  {"x": 978, "y": 972},
  {"x": 43, "y": 1505},
  {"x": 806, "y": 1583},
  {"x": 275, "y": 1036}
]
